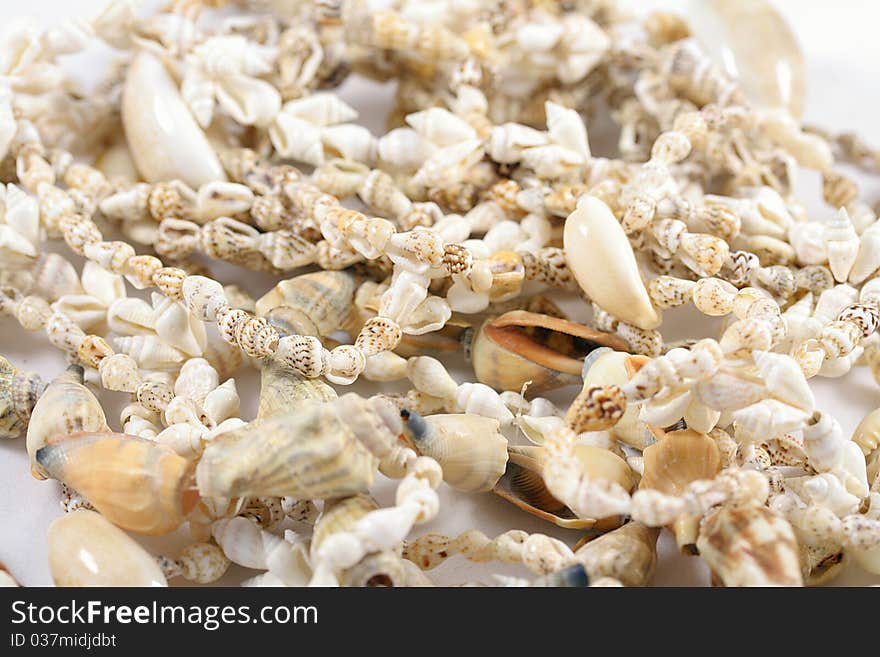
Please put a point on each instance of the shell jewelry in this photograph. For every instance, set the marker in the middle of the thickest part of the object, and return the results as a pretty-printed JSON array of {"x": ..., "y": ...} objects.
[{"x": 474, "y": 235}]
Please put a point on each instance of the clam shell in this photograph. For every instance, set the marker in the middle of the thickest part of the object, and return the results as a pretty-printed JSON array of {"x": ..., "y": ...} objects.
[
  {"x": 135, "y": 483},
  {"x": 520, "y": 346},
  {"x": 65, "y": 407},
  {"x": 523, "y": 485},
  {"x": 750, "y": 546},
  {"x": 312, "y": 452},
  {"x": 164, "y": 139},
  {"x": 602, "y": 260},
  {"x": 86, "y": 550},
  {"x": 469, "y": 448},
  {"x": 312, "y": 304},
  {"x": 628, "y": 554}
]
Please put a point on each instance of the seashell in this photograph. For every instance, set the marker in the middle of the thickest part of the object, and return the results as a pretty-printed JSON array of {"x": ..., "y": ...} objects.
[
  {"x": 604, "y": 366},
  {"x": 244, "y": 543},
  {"x": 450, "y": 164},
  {"x": 53, "y": 277},
  {"x": 767, "y": 419},
  {"x": 785, "y": 380},
  {"x": 868, "y": 258},
  {"x": 566, "y": 128},
  {"x": 313, "y": 452},
  {"x": 628, "y": 554},
  {"x": 340, "y": 515},
  {"x": 184, "y": 438},
  {"x": 177, "y": 327},
  {"x": 821, "y": 564},
  {"x": 222, "y": 199},
  {"x": 311, "y": 304},
  {"x": 65, "y": 407},
  {"x": 281, "y": 388},
  {"x": 520, "y": 346},
  {"x": 469, "y": 448},
  {"x": 842, "y": 245},
  {"x": 750, "y": 546},
  {"x": 672, "y": 463},
  {"x": 130, "y": 316},
  {"x": 197, "y": 378},
  {"x": 350, "y": 142},
  {"x": 867, "y": 433},
  {"x": 403, "y": 149},
  {"x": 508, "y": 142},
  {"x": 523, "y": 485},
  {"x": 602, "y": 260},
  {"x": 222, "y": 403},
  {"x": 135, "y": 483},
  {"x": 86, "y": 550},
  {"x": 151, "y": 352},
  {"x": 753, "y": 43},
  {"x": 440, "y": 126},
  {"x": 340, "y": 177},
  {"x": 117, "y": 164},
  {"x": 381, "y": 569},
  {"x": 19, "y": 392},
  {"x": 320, "y": 109},
  {"x": 297, "y": 139},
  {"x": 163, "y": 137},
  {"x": 250, "y": 101}
]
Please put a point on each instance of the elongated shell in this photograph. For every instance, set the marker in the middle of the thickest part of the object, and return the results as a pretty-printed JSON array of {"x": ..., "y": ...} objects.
[
  {"x": 87, "y": 550},
  {"x": 523, "y": 485},
  {"x": 672, "y": 463},
  {"x": 750, "y": 546},
  {"x": 312, "y": 304},
  {"x": 66, "y": 407},
  {"x": 19, "y": 392},
  {"x": 315, "y": 451},
  {"x": 163, "y": 137},
  {"x": 753, "y": 43},
  {"x": 135, "y": 483},
  {"x": 469, "y": 448},
  {"x": 602, "y": 260},
  {"x": 628, "y": 554},
  {"x": 520, "y": 346}
]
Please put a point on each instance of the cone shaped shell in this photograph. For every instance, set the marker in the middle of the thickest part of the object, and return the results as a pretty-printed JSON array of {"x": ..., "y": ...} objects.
[
  {"x": 163, "y": 137},
  {"x": 310, "y": 453},
  {"x": 136, "y": 484},
  {"x": 520, "y": 346},
  {"x": 87, "y": 550},
  {"x": 602, "y": 260}
]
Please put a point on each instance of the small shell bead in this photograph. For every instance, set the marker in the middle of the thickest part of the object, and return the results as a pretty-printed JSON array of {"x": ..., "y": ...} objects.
[
  {"x": 256, "y": 337},
  {"x": 170, "y": 280},
  {"x": 154, "y": 395},
  {"x": 93, "y": 349},
  {"x": 378, "y": 334},
  {"x": 304, "y": 354}
]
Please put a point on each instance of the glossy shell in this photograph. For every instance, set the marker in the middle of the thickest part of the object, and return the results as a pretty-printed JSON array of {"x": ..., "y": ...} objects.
[
  {"x": 87, "y": 550},
  {"x": 135, "y": 483},
  {"x": 523, "y": 485},
  {"x": 66, "y": 407},
  {"x": 312, "y": 304},
  {"x": 520, "y": 346}
]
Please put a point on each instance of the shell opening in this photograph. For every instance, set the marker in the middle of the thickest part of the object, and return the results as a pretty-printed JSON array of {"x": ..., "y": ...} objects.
[{"x": 552, "y": 349}]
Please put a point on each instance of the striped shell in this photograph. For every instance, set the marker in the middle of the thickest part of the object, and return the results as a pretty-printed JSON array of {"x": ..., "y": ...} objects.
[
  {"x": 135, "y": 483},
  {"x": 19, "y": 392},
  {"x": 312, "y": 304},
  {"x": 628, "y": 553}
]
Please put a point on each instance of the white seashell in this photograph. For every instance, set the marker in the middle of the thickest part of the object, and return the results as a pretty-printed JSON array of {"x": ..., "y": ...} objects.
[
  {"x": 440, "y": 126},
  {"x": 248, "y": 100},
  {"x": 842, "y": 244},
  {"x": 196, "y": 379},
  {"x": 809, "y": 243},
  {"x": 350, "y": 141},
  {"x": 197, "y": 91},
  {"x": 15, "y": 250},
  {"x": 868, "y": 259},
  {"x": 480, "y": 399},
  {"x": 766, "y": 419},
  {"x": 508, "y": 142},
  {"x": 130, "y": 317},
  {"x": 84, "y": 310},
  {"x": 700, "y": 417},
  {"x": 385, "y": 366},
  {"x": 826, "y": 490},
  {"x": 320, "y": 109},
  {"x": 177, "y": 327},
  {"x": 832, "y": 301},
  {"x": 403, "y": 148},
  {"x": 553, "y": 161},
  {"x": 296, "y": 138},
  {"x": 665, "y": 412},
  {"x": 461, "y": 298},
  {"x": 222, "y": 403},
  {"x": 448, "y": 165},
  {"x": 150, "y": 352},
  {"x": 430, "y": 315},
  {"x": 21, "y": 212},
  {"x": 785, "y": 379},
  {"x": 728, "y": 392},
  {"x": 602, "y": 260},
  {"x": 222, "y": 199},
  {"x": 8, "y": 123},
  {"x": 129, "y": 204},
  {"x": 810, "y": 151},
  {"x": 429, "y": 375},
  {"x": 184, "y": 438},
  {"x": 752, "y": 42},
  {"x": 247, "y": 545},
  {"x": 164, "y": 138},
  {"x": 567, "y": 129},
  {"x": 837, "y": 367}
]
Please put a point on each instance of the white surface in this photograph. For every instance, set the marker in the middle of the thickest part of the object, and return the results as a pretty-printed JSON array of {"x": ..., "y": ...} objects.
[{"x": 843, "y": 63}]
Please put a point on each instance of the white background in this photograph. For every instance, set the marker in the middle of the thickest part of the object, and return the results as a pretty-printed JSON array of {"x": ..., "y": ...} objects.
[{"x": 843, "y": 65}]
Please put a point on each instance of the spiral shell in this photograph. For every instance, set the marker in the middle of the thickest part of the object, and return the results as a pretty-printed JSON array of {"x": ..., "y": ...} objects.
[
  {"x": 135, "y": 483},
  {"x": 19, "y": 392},
  {"x": 311, "y": 304},
  {"x": 628, "y": 554}
]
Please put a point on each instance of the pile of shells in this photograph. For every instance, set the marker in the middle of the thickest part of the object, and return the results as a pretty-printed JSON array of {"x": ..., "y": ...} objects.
[{"x": 480, "y": 228}]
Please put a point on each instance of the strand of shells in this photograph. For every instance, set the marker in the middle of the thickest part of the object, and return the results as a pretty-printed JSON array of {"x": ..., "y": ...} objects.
[{"x": 227, "y": 145}]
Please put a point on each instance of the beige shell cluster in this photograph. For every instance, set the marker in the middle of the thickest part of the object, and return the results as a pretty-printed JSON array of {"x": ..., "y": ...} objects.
[{"x": 474, "y": 257}]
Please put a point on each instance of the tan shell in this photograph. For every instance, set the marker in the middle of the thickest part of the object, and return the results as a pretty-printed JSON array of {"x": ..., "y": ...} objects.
[
  {"x": 867, "y": 434},
  {"x": 605, "y": 366},
  {"x": 135, "y": 483},
  {"x": 66, "y": 407},
  {"x": 469, "y": 448},
  {"x": 19, "y": 392},
  {"x": 312, "y": 304},
  {"x": 340, "y": 514},
  {"x": 86, "y": 550},
  {"x": 523, "y": 485},
  {"x": 750, "y": 546},
  {"x": 315, "y": 451},
  {"x": 281, "y": 388},
  {"x": 672, "y": 463},
  {"x": 821, "y": 564},
  {"x": 520, "y": 346},
  {"x": 628, "y": 554}
]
